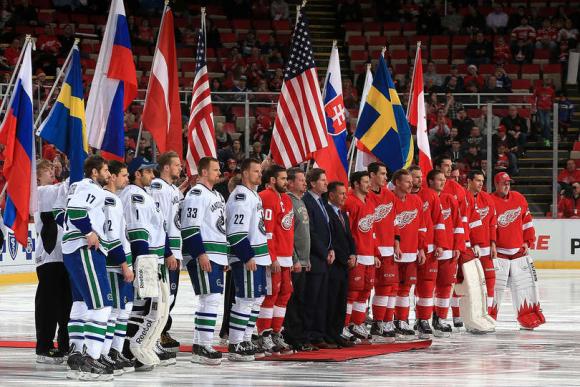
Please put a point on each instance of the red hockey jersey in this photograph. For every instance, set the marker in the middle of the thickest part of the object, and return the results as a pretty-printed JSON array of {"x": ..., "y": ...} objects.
[
  {"x": 279, "y": 222},
  {"x": 410, "y": 221},
  {"x": 361, "y": 217},
  {"x": 435, "y": 236},
  {"x": 485, "y": 207},
  {"x": 453, "y": 225},
  {"x": 474, "y": 233},
  {"x": 514, "y": 223},
  {"x": 384, "y": 204}
]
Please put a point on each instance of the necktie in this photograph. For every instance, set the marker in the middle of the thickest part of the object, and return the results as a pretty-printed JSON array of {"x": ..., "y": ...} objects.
[
  {"x": 341, "y": 219},
  {"x": 323, "y": 209}
]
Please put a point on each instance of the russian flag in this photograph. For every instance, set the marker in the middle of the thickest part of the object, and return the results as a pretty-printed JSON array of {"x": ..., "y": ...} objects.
[
  {"x": 17, "y": 134},
  {"x": 333, "y": 158},
  {"x": 114, "y": 87}
]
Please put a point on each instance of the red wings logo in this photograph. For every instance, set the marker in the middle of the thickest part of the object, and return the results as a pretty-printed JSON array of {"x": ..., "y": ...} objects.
[
  {"x": 366, "y": 223},
  {"x": 382, "y": 211},
  {"x": 445, "y": 212},
  {"x": 508, "y": 217},
  {"x": 483, "y": 212},
  {"x": 405, "y": 218},
  {"x": 288, "y": 220}
]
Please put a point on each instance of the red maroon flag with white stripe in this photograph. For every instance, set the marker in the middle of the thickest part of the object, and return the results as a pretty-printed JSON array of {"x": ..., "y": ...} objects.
[
  {"x": 200, "y": 130},
  {"x": 300, "y": 126},
  {"x": 162, "y": 112}
]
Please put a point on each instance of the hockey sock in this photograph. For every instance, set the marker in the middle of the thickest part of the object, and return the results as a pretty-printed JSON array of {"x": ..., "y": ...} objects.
[
  {"x": 76, "y": 324},
  {"x": 239, "y": 316},
  {"x": 379, "y": 307},
  {"x": 264, "y": 321},
  {"x": 402, "y": 308},
  {"x": 348, "y": 313},
  {"x": 95, "y": 330},
  {"x": 111, "y": 324},
  {"x": 278, "y": 318},
  {"x": 442, "y": 300},
  {"x": 359, "y": 310},
  {"x": 390, "y": 311},
  {"x": 455, "y": 306},
  {"x": 253, "y": 317},
  {"x": 121, "y": 327},
  {"x": 205, "y": 318}
]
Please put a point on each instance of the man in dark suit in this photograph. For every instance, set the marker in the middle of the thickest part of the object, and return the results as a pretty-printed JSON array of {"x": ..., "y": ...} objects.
[
  {"x": 345, "y": 258},
  {"x": 321, "y": 256}
]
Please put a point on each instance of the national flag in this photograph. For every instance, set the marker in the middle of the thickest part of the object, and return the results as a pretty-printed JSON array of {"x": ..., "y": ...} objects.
[
  {"x": 162, "y": 111},
  {"x": 200, "y": 130},
  {"x": 300, "y": 126},
  {"x": 363, "y": 156},
  {"x": 417, "y": 115},
  {"x": 65, "y": 126},
  {"x": 383, "y": 128},
  {"x": 17, "y": 133},
  {"x": 113, "y": 88},
  {"x": 333, "y": 158}
]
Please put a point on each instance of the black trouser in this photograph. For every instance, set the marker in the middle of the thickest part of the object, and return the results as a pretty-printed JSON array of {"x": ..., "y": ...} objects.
[
  {"x": 337, "y": 292},
  {"x": 294, "y": 320},
  {"x": 52, "y": 306},
  {"x": 173, "y": 286},
  {"x": 315, "y": 293},
  {"x": 229, "y": 298}
]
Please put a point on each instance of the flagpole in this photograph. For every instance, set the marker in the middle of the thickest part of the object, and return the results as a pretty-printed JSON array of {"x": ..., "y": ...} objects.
[
  {"x": 27, "y": 41},
  {"x": 351, "y": 153},
  {"x": 153, "y": 150},
  {"x": 53, "y": 88},
  {"x": 413, "y": 79}
]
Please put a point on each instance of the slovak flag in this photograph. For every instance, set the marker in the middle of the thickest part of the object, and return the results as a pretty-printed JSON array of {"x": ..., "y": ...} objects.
[
  {"x": 113, "y": 88},
  {"x": 333, "y": 158},
  {"x": 17, "y": 133}
]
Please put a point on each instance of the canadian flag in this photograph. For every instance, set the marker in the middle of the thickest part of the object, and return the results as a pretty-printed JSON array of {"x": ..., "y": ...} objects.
[
  {"x": 417, "y": 116},
  {"x": 162, "y": 112}
]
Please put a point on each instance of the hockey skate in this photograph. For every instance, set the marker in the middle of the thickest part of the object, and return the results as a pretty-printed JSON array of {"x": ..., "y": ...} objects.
[
  {"x": 349, "y": 336},
  {"x": 403, "y": 331},
  {"x": 74, "y": 362},
  {"x": 93, "y": 370},
  {"x": 169, "y": 343},
  {"x": 265, "y": 343},
  {"x": 457, "y": 323},
  {"x": 360, "y": 332},
  {"x": 109, "y": 362},
  {"x": 128, "y": 365},
  {"x": 380, "y": 334},
  {"x": 440, "y": 327},
  {"x": 282, "y": 345},
  {"x": 238, "y": 352},
  {"x": 205, "y": 354},
  {"x": 423, "y": 329},
  {"x": 166, "y": 358}
]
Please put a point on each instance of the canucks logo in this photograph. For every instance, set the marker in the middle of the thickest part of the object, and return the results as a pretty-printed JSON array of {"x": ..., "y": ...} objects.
[
  {"x": 221, "y": 224},
  {"x": 177, "y": 220},
  {"x": 12, "y": 245},
  {"x": 262, "y": 225}
]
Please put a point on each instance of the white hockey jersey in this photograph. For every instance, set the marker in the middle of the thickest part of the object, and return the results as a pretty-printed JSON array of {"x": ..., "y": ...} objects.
[
  {"x": 84, "y": 208},
  {"x": 145, "y": 225},
  {"x": 246, "y": 231},
  {"x": 49, "y": 234},
  {"x": 168, "y": 198},
  {"x": 203, "y": 226},
  {"x": 116, "y": 231}
]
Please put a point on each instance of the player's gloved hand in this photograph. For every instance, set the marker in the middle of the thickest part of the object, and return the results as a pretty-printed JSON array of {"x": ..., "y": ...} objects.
[
  {"x": 251, "y": 265},
  {"x": 204, "y": 263},
  {"x": 476, "y": 251},
  {"x": 275, "y": 267}
]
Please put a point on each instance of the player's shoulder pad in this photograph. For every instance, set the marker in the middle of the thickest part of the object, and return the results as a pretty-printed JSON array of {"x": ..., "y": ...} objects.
[
  {"x": 109, "y": 201},
  {"x": 137, "y": 198},
  {"x": 240, "y": 197},
  {"x": 156, "y": 185}
]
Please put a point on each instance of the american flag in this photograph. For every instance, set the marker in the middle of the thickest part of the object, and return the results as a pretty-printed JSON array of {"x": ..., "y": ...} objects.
[
  {"x": 300, "y": 127},
  {"x": 200, "y": 130}
]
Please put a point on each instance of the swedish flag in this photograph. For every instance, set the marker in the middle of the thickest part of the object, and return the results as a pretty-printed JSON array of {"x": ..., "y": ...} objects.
[
  {"x": 383, "y": 128},
  {"x": 65, "y": 126}
]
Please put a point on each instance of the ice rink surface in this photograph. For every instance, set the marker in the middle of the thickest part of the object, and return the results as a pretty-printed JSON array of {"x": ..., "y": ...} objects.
[{"x": 549, "y": 356}]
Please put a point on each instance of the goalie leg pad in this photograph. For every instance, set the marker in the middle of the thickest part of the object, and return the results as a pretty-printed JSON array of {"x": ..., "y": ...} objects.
[
  {"x": 473, "y": 303},
  {"x": 502, "y": 271},
  {"x": 146, "y": 276},
  {"x": 489, "y": 271},
  {"x": 141, "y": 327},
  {"x": 163, "y": 307},
  {"x": 525, "y": 294}
]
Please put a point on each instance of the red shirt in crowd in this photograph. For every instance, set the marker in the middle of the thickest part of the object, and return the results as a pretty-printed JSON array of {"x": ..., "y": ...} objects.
[
  {"x": 565, "y": 176},
  {"x": 544, "y": 97}
]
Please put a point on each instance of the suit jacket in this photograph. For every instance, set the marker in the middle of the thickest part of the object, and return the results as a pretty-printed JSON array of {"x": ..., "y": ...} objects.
[
  {"x": 342, "y": 240},
  {"x": 319, "y": 235}
]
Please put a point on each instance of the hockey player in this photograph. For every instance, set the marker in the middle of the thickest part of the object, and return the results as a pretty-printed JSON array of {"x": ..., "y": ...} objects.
[
  {"x": 361, "y": 277},
  {"x": 248, "y": 257},
  {"x": 119, "y": 269},
  {"x": 486, "y": 208},
  {"x": 448, "y": 260},
  {"x": 85, "y": 259},
  {"x": 204, "y": 240},
  {"x": 279, "y": 222},
  {"x": 147, "y": 236},
  {"x": 435, "y": 240},
  {"x": 515, "y": 236},
  {"x": 53, "y": 294},
  {"x": 168, "y": 198},
  {"x": 410, "y": 251},
  {"x": 386, "y": 276}
]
